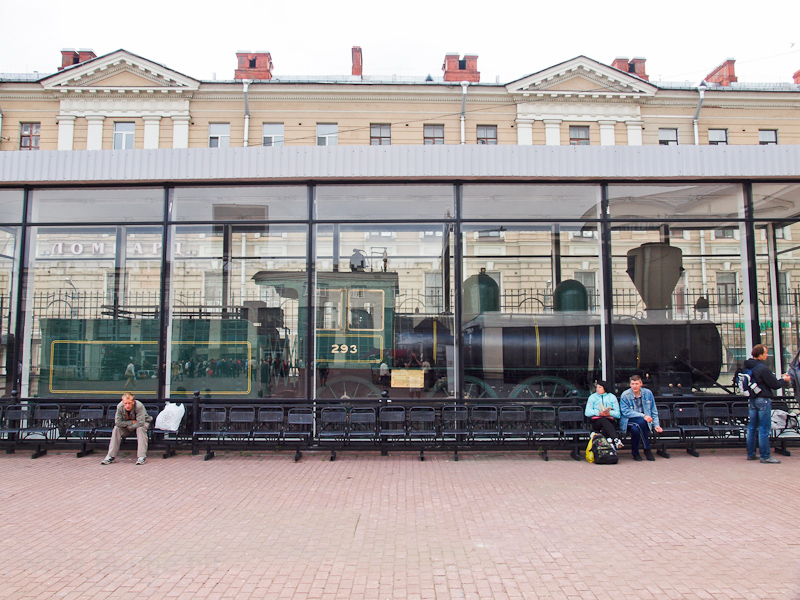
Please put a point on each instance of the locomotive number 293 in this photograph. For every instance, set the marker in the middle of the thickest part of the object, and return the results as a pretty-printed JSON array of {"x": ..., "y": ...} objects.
[{"x": 343, "y": 349}]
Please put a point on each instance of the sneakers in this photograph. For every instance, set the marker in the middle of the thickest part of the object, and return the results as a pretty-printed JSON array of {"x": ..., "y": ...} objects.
[
  {"x": 754, "y": 457},
  {"x": 648, "y": 454},
  {"x": 141, "y": 460},
  {"x": 618, "y": 443},
  {"x": 107, "y": 460},
  {"x": 770, "y": 461}
]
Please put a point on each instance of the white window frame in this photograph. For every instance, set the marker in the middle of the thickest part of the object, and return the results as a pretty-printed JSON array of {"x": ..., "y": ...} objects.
[
  {"x": 219, "y": 135},
  {"x": 327, "y": 134},
  {"x": 272, "y": 134},
  {"x": 762, "y": 141},
  {"x": 433, "y": 135},
  {"x": 667, "y": 136},
  {"x": 124, "y": 132},
  {"x": 722, "y": 134}
]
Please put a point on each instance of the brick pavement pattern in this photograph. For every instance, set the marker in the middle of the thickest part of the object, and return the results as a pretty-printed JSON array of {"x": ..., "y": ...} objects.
[{"x": 505, "y": 525}]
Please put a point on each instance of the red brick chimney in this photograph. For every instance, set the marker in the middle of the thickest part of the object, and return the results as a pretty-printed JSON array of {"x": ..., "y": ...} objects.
[
  {"x": 723, "y": 74},
  {"x": 253, "y": 65},
  {"x": 358, "y": 64},
  {"x": 796, "y": 77},
  {"x": 465, "y": 69},
  {"x": 69, "y": 57},
  {"x": 634, "y": 66}
]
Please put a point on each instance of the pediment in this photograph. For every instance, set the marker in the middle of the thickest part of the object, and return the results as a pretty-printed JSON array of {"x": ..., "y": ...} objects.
[
  {"x": 122, "y": 71},
  {"x": 584, "y": 77}
]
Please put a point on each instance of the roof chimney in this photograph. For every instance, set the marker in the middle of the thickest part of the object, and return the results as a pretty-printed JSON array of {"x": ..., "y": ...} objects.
[
  {"x": 796, "y": 77},
  {"x": 253, "y": 65},
  {"x": 85, "y": 54},
  {"x": 723, "y": 74},
  {"x": 634, "y": 66},
  {"x": 465, "y": 69},
  {"x": 358, "y": 64},
  {"x": 69, "y": 57}
]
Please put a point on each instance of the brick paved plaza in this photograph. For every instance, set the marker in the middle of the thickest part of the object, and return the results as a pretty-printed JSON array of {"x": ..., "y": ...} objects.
[{"x": 505, "y": 525}]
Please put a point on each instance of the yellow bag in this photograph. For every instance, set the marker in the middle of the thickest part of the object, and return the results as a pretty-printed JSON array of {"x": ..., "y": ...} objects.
[{"x": 589, "y": 453}]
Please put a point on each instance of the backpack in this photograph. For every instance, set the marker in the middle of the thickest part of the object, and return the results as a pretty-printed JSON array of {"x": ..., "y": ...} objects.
[
  {"x": 746, "y": 384},
  {"x": 600, "y": 451}
]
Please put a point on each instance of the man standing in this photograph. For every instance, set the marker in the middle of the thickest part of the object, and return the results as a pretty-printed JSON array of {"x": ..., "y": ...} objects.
[
  {"x": 131, "y": 418},
  {"x": 761, "y": 404},
  {"x": 130, "y": 375},
  {"x": 639, "y": 414}
]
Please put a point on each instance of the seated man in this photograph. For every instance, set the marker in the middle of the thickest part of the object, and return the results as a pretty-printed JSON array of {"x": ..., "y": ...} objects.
[
  {"x": 131, "y": 418},
  {"x": 639, "y": 414}
]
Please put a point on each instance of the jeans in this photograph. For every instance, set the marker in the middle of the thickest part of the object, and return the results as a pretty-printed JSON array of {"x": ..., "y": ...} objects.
[
  {"x": 761, "y": 419},
  {"x": 640, "y": 432}
]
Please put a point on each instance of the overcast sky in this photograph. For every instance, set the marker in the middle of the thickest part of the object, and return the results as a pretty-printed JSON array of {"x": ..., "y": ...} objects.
[{"x": 682, "y": 40}]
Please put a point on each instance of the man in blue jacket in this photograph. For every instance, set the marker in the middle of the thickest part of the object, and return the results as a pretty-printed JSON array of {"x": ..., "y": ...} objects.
[
  {"x": 761, "y": 404},
  {"x": 639, "y": 414}
]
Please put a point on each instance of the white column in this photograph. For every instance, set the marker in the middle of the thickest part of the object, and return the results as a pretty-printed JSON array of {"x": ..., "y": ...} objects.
[
  {"x": 66, "y": 131},
  {"x": 552, "y": 132},
  {"x": 151, "y": 131},
  {"x": 634, "y": 133},
  {"x": 524, "y": 133},
  {"x": 180, "y": 131},
  {"x": 607, "y": 133},
  {"x": 94, "y": 134}
]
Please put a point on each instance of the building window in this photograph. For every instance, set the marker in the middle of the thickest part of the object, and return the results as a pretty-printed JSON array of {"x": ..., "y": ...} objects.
[
  {"x": 728, "y": 295},
  {"x": 123, "y": 136},
  {"x": 433, "y": 134},
  {"x": 767, "y": 137},
  {"x": 327, "y": 134},
  {"x": 668, "y": 137},
  {"x": 29, "y": 136},
  {"x": 487, "y": 134},
  {"x": 272, "y": 134},
  {"x": 578, "y": 135},
  {"x": 589, "y": 281},
  {"x": 717, "y": 137},
  {"x": 380, "y": 135},
  {"x": 219, "y": 135},
  {"x": 724, "y": 233}
]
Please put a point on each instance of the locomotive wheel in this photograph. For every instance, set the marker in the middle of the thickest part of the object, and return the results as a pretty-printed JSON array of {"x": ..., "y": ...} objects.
[
  {"x": 345, "y": 388},
  {"x": 540, "y": 388},
  {"x": 473, "y": 388}
]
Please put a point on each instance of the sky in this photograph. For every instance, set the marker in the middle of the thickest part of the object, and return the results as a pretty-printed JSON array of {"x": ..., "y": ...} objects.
[{"x": 682, "y": 40}]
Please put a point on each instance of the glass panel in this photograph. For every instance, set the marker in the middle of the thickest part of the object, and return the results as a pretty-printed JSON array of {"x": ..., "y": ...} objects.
[
  {"x": 365, "y": 202},
  {"x": 788, "y": 280},
  {"x": 679, "y": 310},
  {"x": 776, "y": 200},
  {"x": 663, "y": 201},
  {"x": 11, "y": 206},
  {"x": 97, "y": 206},
  {"x": 9, "y": 270},
  {"x": 92, "y": 312},
  {"x": 531, "y": 310},
  {"x": 240, "y": 203},
  {"x": 530, "y": 201},
  {"x": 239, "y": 311},
  {"x": 382, "y": 321}
]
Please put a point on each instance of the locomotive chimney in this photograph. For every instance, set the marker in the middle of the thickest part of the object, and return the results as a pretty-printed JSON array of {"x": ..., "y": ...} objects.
[{"x": 655, "y": 269}]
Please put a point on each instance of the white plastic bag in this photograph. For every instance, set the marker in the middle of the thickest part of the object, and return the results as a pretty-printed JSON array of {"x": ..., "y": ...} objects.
[{"x": 170, "y": 418}]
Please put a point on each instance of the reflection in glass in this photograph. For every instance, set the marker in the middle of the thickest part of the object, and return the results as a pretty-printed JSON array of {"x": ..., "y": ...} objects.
[
  {"x": 238, "y": 307},
  {"x": 531, "y": 201},
  {"x": 671, "y": 200},
  {"x": 384, "y": 311},
  {"x": 776, "y": 200},
  {"x": 92, "y": 312},
  {"x": 367, "y": 202},
  {"x": 11, "y": 206},
  {"x": 250, "y": 203},
  {"x": 679, "y": 314},
  {"x": 531, "y": 310},
  {"x": 107, "y": 205},
  {"x": 9, "y": 256}
]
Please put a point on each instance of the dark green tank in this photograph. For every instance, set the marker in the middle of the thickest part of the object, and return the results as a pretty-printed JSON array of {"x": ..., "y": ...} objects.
[
  {"x": 481, "y": 294},
  {"x": 570, "y": 295}
]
